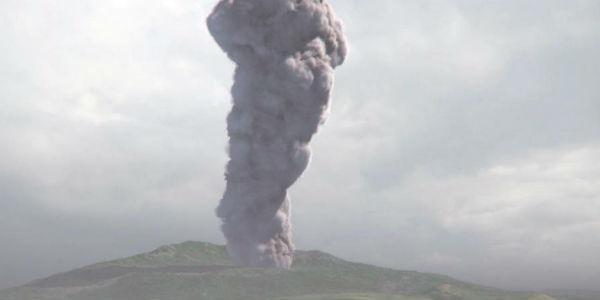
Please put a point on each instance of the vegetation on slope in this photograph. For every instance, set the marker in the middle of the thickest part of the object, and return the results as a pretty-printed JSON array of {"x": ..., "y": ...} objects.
[{"x": 196, "y": 270}]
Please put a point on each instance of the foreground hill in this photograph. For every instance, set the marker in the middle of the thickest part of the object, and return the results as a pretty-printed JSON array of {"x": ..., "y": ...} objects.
[{"x": 199, "y": 271}]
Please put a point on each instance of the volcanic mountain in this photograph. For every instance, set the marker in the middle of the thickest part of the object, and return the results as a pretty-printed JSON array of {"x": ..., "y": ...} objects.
[{"x": 198, "y": 271}]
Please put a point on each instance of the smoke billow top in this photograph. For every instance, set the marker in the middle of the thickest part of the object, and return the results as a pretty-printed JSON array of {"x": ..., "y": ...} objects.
[{"x": 285, "y": 52}]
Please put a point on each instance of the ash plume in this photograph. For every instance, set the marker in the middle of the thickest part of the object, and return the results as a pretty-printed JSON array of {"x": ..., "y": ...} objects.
[{"x": 285, "y": 52}]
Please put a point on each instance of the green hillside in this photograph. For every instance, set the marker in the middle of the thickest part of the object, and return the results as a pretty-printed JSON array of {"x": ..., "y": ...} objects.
[{"x": 199, "y": 271}]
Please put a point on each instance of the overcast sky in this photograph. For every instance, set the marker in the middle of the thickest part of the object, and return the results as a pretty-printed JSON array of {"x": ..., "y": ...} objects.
[{"x": 464, "y": 137}]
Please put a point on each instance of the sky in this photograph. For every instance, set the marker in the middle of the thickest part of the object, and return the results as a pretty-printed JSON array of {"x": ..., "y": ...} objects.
[{"x": 463, "y": 137}]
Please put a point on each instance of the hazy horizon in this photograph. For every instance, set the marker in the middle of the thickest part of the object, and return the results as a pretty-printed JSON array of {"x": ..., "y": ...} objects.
[{"x": 463, "y": 139}]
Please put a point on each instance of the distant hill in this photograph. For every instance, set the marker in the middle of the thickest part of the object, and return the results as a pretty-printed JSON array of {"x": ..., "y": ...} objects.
[
  {"x": 574, "y": 294},
  {"x": 199, "y": 271}
]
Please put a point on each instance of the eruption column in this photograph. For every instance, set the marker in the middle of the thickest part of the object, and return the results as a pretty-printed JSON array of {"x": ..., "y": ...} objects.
[{"x": 285, "y": 52}]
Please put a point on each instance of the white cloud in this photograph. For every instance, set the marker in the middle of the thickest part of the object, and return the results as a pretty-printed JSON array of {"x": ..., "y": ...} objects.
[
  {"x": 515, "y": 218},
  {"x": 528, "y": 200}
]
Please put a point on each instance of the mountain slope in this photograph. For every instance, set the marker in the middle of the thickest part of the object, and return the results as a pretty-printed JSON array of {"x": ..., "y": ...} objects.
[{"x": 196, "y": 270}]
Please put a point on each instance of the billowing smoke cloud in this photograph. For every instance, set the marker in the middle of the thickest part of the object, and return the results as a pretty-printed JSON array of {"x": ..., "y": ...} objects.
[{"x": 285, "y": 52}]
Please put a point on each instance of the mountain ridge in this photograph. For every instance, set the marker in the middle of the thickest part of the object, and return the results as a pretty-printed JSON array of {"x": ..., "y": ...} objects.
[{"x": 200, "y": 270}]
